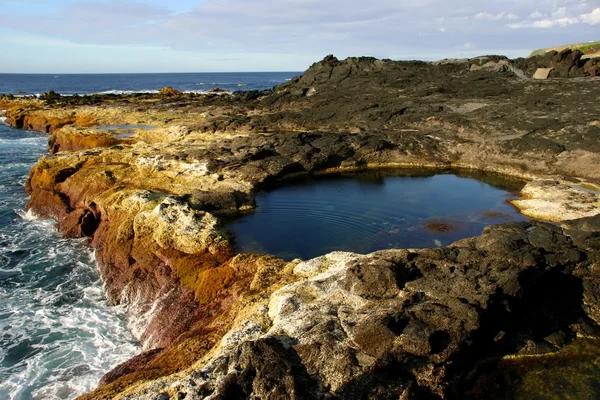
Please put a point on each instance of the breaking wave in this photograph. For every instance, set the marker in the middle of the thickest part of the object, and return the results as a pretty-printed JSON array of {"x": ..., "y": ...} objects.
[{"x": 58, "y": 335}]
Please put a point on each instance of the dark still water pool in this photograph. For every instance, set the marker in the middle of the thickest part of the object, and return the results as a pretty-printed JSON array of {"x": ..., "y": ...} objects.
[
  {"x": 372, "y": 211},
  {"x": 57, "y": 334}
]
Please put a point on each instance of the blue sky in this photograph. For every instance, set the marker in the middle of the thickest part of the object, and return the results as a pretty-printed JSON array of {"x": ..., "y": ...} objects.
[{"x": 61, "y": 36}]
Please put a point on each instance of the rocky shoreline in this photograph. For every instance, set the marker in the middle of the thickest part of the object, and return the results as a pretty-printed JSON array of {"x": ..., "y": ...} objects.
[{"x": 411, "y": 324}]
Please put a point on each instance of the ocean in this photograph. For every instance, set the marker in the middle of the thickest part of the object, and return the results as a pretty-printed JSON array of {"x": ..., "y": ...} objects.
[
  {"x": 70, "y": 84},
  {"x": 58, "y": 336}
]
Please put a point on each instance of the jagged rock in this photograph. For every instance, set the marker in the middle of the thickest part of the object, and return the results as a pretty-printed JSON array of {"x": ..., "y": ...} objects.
[{"x": 50, "y": 97}]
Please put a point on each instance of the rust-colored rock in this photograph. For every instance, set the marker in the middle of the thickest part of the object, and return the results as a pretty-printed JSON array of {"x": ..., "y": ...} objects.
[
  {"x": 75, "y": 140},
  {"x": 169, "y": 91}
]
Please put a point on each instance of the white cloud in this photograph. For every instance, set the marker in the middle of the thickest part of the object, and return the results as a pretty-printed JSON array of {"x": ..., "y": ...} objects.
[
  {"x": 537, "y": 15},
  {"x": 559, "y": 19},
  {"x": 496, "y": 17},
  {"x": 559, "y": 13},
  {"x": 592, "y": 18},
  {"x": 381, "y": 28},
  {"x": 545, "y": 23},
  {"x": 551, "y": 23}
]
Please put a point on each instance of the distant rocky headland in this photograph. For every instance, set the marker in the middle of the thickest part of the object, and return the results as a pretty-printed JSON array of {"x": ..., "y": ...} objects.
[{"x": 149, "y": 178}]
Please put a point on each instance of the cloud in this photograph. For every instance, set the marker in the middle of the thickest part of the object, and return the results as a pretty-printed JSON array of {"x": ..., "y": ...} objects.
[
  {"x": 544, "y": 23},
  {"x": 496, "y": 17},
  {"x": 559, "y": 13},
  {"x": 311, "y": 28},
  {"x": 537, "y": 15},
  {"x": 558, "y": 19},
  {"x": 592, "y": 18}
]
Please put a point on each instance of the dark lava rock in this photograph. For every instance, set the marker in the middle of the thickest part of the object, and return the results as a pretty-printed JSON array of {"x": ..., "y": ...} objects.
[{"x": 422, "y": 324}]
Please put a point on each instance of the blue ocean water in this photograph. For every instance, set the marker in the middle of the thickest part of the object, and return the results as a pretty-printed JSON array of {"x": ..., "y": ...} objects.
[{"x": 69, "y": 84}]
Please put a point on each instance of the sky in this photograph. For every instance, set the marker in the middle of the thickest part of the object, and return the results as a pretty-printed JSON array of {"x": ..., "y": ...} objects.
[{"x": 91, "y": 36}]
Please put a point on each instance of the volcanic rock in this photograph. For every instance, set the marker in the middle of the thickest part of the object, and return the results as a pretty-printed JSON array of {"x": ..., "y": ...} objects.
[{"x": 412, "y": 324}]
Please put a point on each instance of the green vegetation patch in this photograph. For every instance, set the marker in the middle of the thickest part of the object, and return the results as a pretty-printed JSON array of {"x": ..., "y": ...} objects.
[{"x": 585, "y": 48}]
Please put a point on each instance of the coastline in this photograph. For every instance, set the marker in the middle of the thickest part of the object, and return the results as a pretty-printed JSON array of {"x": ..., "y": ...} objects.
[{"x": 151, "y": 204}]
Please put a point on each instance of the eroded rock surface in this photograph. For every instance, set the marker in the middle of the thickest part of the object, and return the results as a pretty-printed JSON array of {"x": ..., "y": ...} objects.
[
  {"x": 410, "y": 324},
  {"x": 404, "y": 323}
]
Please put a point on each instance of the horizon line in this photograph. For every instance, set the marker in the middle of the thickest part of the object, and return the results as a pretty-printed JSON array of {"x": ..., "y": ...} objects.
[{"x": 144, "y": 73}]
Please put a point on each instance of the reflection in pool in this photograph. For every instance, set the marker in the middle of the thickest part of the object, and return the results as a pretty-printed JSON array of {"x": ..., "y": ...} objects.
[{"x": 372, "y": 211}]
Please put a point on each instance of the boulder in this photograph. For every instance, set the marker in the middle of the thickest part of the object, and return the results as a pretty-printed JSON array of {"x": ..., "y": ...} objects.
[
  {"x": 542, "y": 73},
  {"x": 169, "y": 91}
]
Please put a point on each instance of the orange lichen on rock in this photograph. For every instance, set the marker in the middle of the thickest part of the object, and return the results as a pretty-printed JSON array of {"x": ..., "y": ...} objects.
[
  {"x": 75, "y": 140},
  {"x": 41, "y": 177},
  {"x": 209, "y": 283},
  {"x": 169, "y": 91},
  {"x": 29, "y": 114},
  {"x": 40, "y": 123}
]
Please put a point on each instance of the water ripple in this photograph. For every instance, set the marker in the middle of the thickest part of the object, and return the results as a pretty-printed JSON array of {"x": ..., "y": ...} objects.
[{"x": 372, "y": 212}]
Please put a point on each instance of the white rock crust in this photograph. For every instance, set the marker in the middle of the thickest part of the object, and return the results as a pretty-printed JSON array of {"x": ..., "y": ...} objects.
[
  {"x": 295, "y": 312},
  {"x": 173, "y": 224},
  {"x": 554, "y": 201}
]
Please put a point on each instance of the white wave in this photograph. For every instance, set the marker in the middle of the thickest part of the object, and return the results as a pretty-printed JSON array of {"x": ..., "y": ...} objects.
[
  {"x": 10, "y": 272},
  {"x": 141, "y": 91},
  {"x": 23, "y": 95},
  {"x": 16, "y": 165},
  {"x": 206, "y": 92},
  {"x": 3, "y": 120},
  {"x": 72, "y": 344},
  {"x": 28, "y": 216},
  {"x": 93, "y": 293},
  {"x": 25, "y": 141},
  {"x": 123, "y": 92}
]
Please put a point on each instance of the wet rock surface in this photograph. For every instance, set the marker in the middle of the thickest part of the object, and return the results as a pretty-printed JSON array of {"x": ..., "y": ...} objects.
[{"x": 410, "y": 324}]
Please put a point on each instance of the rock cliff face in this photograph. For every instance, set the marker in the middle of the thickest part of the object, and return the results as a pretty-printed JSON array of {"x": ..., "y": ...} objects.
[{"x": 411, "y": 324}]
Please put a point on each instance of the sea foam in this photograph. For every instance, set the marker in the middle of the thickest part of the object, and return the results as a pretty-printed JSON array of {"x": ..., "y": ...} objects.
[{"x": 59, "y": 336}]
